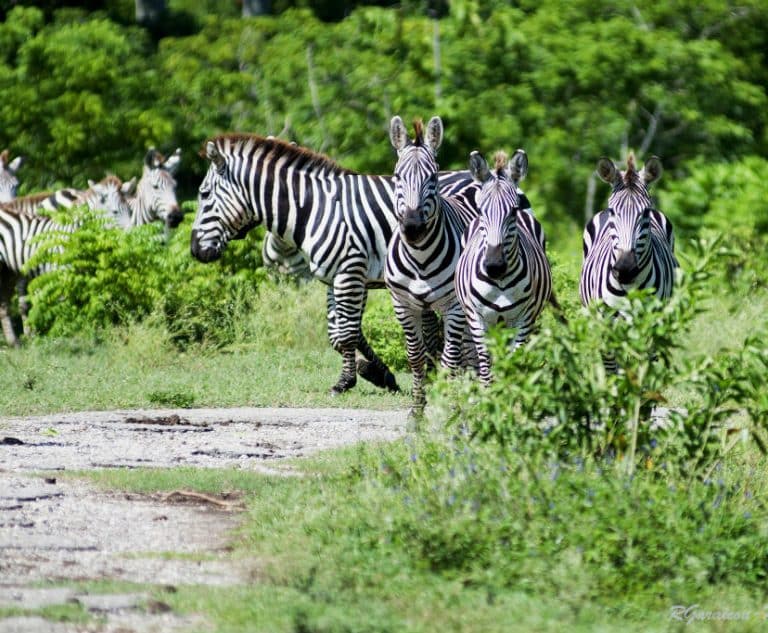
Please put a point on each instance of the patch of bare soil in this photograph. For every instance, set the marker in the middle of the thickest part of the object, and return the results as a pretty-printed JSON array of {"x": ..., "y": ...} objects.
[{"x": 57, "y": 530}]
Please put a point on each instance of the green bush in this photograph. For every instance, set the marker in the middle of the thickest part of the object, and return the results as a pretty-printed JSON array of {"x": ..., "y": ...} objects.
[
  {"x": 103, "y": 277},
  {"x": 383, "y": 331},
  {"x": 552, "y": 397}
]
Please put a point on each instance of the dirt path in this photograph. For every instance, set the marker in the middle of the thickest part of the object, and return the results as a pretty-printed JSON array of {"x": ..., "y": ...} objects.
[{"x": 54, "y": 529}]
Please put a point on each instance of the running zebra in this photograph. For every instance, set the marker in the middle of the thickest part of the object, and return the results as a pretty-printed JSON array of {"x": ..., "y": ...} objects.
[
  {"x": 503, "y": 275},
  {"x": 422, "y": 256},
  {"x": 21, "y": 220},
  {"x": 155, "y": 197},
  {"x": 8, "y": 181},
  {"x": 630, "y": 245}
]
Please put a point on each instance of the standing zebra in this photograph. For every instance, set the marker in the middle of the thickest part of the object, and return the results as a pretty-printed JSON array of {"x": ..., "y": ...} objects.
[
  {"x": 155, "y": 197},
  {"x": 503, "y": 275},
  {"x": 423, "y": 252},
  {"x": 630, "y": 245},
  {"x": 340, "y": 220},
  {"x": 21, "y": 221},
  {"x": 8, "y": 181}
]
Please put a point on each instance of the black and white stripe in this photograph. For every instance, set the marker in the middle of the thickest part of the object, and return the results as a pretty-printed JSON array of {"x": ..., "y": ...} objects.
[
  {"x": 630, "y": 245},
  {"x": 423, "y": 252},
  {"x": 503, "y": 275},
  {"x": 9, "y": 183},
  {"x": 339, "y": 220},
  {"x": 22, "y": 219},
  {"x": 155, "y": 197}
]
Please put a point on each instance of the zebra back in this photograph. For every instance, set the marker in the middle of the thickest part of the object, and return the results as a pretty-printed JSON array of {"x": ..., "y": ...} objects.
[
  {"x": 629, "y": 245},
  {"x": 9, "y": 183},
  {"x": 107, "y": 195}
]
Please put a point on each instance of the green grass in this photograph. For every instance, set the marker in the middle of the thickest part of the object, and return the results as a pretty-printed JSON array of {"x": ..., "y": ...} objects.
[
  {"x": 281, "y": 359},
  {"x": 352, "y": 545}
]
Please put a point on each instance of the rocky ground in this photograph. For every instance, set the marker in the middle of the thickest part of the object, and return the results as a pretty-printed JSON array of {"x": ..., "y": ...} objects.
[{"x": 55, "y": 530}]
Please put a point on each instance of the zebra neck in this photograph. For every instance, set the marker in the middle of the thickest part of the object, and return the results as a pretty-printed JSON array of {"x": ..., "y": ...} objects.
[{"x": 293, "y": 201}]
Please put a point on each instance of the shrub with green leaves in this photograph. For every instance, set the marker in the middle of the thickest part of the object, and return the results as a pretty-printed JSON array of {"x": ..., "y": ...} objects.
[
  {"x": 553, "y": 397},
  {"x": 103, "y": 277}
]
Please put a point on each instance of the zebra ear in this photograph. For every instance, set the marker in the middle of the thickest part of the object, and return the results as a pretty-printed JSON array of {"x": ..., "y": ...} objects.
[
  {"x": 214, "y": 155},
  {"x": 94, "y": 185},
  {"x": 518, "y": 165},
  {"x": 152, "y": 158},
  {"x": 127, "y": 187},
  {"x": 15, "y": 164},
  {"x": 171, "y": 163},
  {"x": 434, "y": 133},
  {"x": 606, "y": 170},
  {"x": 651, "y": 170},
  {"x": 398, "y": 134},
  {"x": 478, "y": 167}
]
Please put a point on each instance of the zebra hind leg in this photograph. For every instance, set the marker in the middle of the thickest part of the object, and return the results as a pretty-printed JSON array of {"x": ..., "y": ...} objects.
[
  {"x": 7, "y": 287},
  {"x": 371, "y": 368}
]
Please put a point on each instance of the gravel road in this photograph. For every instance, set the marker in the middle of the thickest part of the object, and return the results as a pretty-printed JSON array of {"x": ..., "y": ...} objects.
[{"x": 58, "y": 530}]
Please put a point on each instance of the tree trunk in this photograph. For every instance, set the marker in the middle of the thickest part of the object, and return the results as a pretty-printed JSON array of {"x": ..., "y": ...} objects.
[
  {"x": 256, "y": 7},
  {"x": 149, "y": 12}
]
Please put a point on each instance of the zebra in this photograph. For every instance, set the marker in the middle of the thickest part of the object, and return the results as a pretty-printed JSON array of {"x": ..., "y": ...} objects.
[
  {"x": 284, "y": 257},
  {"x": 340, "y": 220},
  {"x": 423, "y": 252},
  {"x": 23, "y": 219},
  {"x": 502, "y": 275},
  {"x": 8, "y": 181},
  {"x": 155, "y": 197},
  {"x": 630, "y": 245}
]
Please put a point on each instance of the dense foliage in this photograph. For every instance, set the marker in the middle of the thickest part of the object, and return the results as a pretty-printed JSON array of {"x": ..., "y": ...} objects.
[{"x": 86, "y": 92}]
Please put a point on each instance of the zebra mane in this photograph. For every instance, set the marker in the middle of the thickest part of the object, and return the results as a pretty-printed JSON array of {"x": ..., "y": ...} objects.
[
  {"x": 4, "y": 157},
  {"x": 302, "y": 157},
  {"x": 32, "y": 198},
  {"x": 418, "y": 129},
  {"x": 630, "y": 176},
  {"x": 500, "y": 161}
]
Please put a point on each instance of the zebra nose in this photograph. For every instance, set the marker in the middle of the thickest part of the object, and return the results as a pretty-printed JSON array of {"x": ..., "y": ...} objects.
[
  {"x": 495, "y": 262},
  {"x": 414, "y": 225},
  {"x": 204, "y": 254},
  {"x": 174, "y": 217},
  {"x": 625, "y": 267}
]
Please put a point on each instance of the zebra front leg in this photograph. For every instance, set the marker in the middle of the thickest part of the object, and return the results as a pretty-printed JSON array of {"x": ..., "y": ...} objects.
[
  {"x": 478, "y": 333},
  {"x": 454, "y": 324},
  {"x": 348, "y": 300},
  {"x": 6, "y": 292},
  {"x": 21, "y": 294},
  {"x": 433, "y": 338},
  {"x": 410, "y": 319}
]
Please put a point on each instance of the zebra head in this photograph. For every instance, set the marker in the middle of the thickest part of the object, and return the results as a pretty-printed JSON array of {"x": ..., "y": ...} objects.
[
  {"x": 223, "y": 210},
  {"x": 110, "y": 195},
  {"x": 156, "y": 190},
  {"x": 497, "y": 202},
  {"x": 629, "y": 209},
  {"x": 8, "y": 181},
  {"x": 416, "y": 197}
]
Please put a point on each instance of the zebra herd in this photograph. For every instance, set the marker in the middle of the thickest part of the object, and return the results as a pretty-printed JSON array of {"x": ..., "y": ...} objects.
[
  {"x": 23, "y": 220},
  {"x": 463, "y": 245}
]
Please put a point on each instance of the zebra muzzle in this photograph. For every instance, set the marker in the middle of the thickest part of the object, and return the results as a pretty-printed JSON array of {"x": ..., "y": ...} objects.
[
  {"x": 413, "y": 225},
  {"x": 625, "y": 267},
  {"x": 201, "y": 253},
  {"x": 495, "y": 263}
]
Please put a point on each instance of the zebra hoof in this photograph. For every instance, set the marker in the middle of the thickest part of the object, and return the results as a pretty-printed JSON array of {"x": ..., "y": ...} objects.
[
  {"x": 377, "y": 375},
  {"x": 344, "y": 384}
]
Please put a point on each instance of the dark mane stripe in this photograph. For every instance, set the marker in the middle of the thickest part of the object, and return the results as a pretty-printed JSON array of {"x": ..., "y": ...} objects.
[
  {"x": 302, "y": 157},
  {"x": 418, "y": 129}
]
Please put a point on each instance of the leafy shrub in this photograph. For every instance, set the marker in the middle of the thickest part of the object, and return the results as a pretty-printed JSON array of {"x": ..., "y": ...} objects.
[
  {"x": 103, "y": 277},
  {"x": 552, "y": 397},
  {"x": 384, "y": 333}
]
